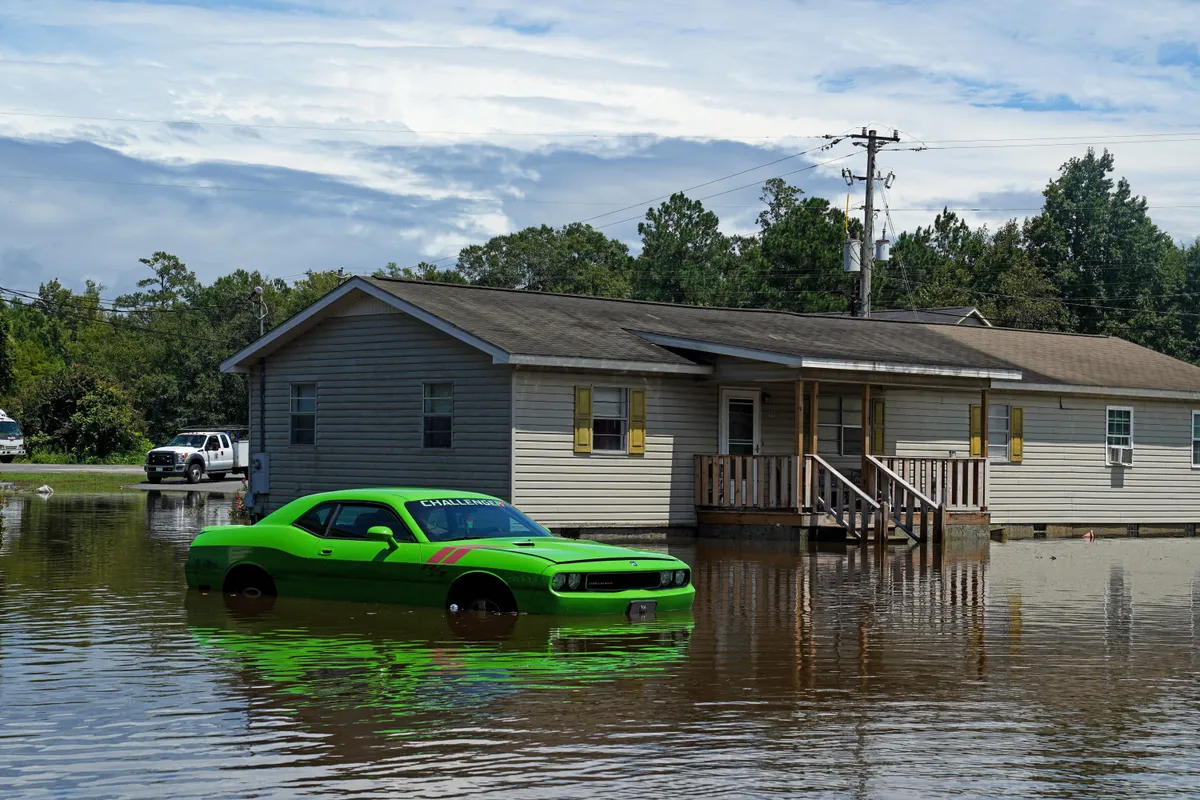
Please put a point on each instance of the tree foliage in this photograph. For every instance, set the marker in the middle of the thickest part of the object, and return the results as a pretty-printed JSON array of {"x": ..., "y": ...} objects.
[{"x": 1092, "y": 261}]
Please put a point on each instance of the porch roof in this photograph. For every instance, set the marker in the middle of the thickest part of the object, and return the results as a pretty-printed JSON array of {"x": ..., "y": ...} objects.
[{"x": 520, "y": 327}]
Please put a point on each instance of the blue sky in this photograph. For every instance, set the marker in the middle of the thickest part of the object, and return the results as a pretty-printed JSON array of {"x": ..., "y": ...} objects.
[{"x": 315, "y": 134}]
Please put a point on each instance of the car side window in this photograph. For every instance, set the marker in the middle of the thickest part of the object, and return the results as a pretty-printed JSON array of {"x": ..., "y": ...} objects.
[
  {"x": 316, "y": 520},
  {"x": 224, "y": 442},
  {"x": 211, "y": 444},
  {"x": 353, "y": 521}
]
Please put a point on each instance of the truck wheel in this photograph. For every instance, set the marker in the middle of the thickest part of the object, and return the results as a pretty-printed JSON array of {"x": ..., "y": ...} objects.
[
  {"x": 194, "y": 472},
  {"x": 216, "y": 476},
  {"x": 7, "y": 459},
  {"x": 154, "y": 478}
]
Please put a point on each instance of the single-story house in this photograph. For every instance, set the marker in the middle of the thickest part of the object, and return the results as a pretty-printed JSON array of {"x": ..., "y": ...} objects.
[{"x": 591, "y": 413}]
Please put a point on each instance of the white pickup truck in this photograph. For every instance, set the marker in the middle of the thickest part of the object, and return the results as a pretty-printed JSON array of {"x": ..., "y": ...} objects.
[{"x": 193, "y": 454}]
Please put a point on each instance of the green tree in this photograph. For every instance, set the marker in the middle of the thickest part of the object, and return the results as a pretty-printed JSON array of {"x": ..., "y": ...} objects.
[
  {"x": 685, "y": 258},
  {"x": 171, "y": 284},
  {"x": 574, "y": 259},
  {"x": 75, "y": 411},
  {"x": 424, "y": 271}
]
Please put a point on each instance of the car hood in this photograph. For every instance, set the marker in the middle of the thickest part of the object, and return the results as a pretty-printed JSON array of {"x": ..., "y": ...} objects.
[
  {"x": 566, "y": 551},
  {"x": 184, "y": 450}
]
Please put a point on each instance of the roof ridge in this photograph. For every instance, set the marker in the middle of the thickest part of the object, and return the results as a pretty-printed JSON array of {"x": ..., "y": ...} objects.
[{"x": 776, "y": 311}]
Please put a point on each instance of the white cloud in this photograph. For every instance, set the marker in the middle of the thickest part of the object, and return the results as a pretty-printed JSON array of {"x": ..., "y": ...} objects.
[{"x": 753, "y": 72}]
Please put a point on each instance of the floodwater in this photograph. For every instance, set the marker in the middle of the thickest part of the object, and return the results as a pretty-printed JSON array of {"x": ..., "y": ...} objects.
[{"x": 1037, "y": 669}]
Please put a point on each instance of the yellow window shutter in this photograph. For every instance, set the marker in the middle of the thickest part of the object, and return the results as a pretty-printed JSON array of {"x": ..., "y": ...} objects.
[
  {"x": 1016, "y": 452},
  {"x": 878, "y": 431},
  {"x": 583, "y": 419},
  {"x": 976, "y": 431},
  {"x": 637, "y": 422}
]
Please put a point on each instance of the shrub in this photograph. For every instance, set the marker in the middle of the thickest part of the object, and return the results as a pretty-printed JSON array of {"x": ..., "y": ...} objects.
[{"x": 74, "y": 411}]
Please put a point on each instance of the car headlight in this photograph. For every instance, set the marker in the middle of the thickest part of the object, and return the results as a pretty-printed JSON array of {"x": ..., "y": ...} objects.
[
  {"x": 681, "y": 577},
  {"x": 558, "y": 582},
  {"x": 665, "y": 578},
  {"x": 178, "y": 457},
  {"x": 573, "y": 581}
]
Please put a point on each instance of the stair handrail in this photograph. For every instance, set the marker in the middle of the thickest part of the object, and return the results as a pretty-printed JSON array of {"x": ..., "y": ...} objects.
[
  {"x": 869, "y": 505},
  {"x": 879, "y": 465},
  {"x": 845, "y": 481}
]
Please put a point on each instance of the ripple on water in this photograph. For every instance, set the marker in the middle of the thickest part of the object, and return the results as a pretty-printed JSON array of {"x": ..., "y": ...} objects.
[{"x": 1051, "y": 669}]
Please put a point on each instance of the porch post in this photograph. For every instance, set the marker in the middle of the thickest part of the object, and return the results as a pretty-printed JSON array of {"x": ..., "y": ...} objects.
[
  {"x": 800, "y": 485},
  {"x": 868, "y": 473},
  {"x": 983, "y": 423},
  {"x": 813, "y": 411}
]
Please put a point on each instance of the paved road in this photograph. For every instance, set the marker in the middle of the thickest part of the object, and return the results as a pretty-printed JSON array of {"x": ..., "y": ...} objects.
[{"x": 106, "y": 469}]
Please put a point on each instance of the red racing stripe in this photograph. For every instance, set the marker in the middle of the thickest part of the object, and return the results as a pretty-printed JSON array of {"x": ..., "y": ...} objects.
[
  {"x": 456, "y": 555},
  {"x": 439, "y": 555}
]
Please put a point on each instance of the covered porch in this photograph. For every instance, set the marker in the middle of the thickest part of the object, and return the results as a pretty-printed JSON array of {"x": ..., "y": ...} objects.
[{"x": 828, "y": 462}]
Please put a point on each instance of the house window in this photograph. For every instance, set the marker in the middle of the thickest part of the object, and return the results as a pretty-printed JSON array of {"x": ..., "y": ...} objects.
[
  {"x": 839, "y": 426},
  {"x": 610, "y": 420},
  {"x": 1196, "y": 438},
  {"x": 1120, "y": 427},
  {"x": 304, "y": 413},
  {"x": 999, "y": 433},
  {"x": 438, "y": 410}
]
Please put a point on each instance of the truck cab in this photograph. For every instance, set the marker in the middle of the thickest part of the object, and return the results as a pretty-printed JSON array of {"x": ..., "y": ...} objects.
[
  {"x": 12, "y": 440},
  {"x": 192, "y": 454}
]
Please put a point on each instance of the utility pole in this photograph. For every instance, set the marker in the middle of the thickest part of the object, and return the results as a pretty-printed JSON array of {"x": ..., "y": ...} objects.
[
  {"x": 257, "y": 296},
  {"x": 873, "y": 144}
]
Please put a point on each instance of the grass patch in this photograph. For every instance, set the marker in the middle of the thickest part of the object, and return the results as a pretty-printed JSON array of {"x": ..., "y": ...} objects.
[{"x": 66, "y": 482}]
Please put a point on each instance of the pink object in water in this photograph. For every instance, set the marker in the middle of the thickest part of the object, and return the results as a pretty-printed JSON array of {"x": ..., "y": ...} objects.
[{"x": 1090, "y": 536}]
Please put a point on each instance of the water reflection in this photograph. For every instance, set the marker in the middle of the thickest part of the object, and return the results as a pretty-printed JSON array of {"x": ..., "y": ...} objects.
[{"x": 1051, "y": 668}]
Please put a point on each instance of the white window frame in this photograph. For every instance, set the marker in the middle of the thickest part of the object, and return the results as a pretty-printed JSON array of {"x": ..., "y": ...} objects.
[
  {"x": 1195, "y": 439},
  {"x": 293, "y": 413},
  {"x": 1007, "y": 439},
  {"x": 841, "y": 426},
  {"x": 1107, "y": 443},
  {"x": 732, "y": 393},
  {"x": 624, "y": 390},
  {"x": 427, "y": 414}
]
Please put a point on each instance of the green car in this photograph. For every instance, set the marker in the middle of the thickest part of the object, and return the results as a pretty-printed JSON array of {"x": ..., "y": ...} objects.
[{"x": 427, "y": 547}]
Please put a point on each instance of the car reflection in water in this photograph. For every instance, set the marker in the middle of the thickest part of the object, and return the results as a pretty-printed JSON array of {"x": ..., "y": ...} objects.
[{"x": 384, "y": 662}]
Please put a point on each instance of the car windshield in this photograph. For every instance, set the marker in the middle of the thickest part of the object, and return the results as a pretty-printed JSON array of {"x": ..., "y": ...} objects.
[
  {"x": 10, "y": 428},
  {"x": 450, "y": 519},
  {"x": 188, "y": 440}
]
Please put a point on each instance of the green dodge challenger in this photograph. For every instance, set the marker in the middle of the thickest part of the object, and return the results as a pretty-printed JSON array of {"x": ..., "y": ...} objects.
[{"x": 427, "y": 547}]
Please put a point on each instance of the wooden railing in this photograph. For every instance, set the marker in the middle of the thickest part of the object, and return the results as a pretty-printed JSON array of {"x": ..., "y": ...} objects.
[
  {"x": 958, "y": 483},
  {"x": 910, "y": 509},
  {"x": 758, "y": 483},
  {"x": 834, "y": 494}
]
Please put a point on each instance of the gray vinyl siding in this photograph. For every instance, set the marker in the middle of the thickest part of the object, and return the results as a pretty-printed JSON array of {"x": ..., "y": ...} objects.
[
  {"x": 1063, "y": 478},
  {"x": 369, "y": 369},
  {"x": 563, "y": 489}
]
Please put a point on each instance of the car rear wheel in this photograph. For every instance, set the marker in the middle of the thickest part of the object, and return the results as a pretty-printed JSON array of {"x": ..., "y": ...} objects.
[
  {"x": 194, "y": 472},
  {"x": 216, "y": 476}
]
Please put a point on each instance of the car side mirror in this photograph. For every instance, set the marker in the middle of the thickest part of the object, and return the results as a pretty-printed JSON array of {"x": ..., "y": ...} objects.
[{"x": 381, "y": 534}]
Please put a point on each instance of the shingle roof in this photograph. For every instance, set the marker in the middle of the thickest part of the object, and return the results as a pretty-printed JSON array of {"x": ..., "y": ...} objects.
[
  {"x": 949, "y": 315},
  {"x": 568, "y": 326}
]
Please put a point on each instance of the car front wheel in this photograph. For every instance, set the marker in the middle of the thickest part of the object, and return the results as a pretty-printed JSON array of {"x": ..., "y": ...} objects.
[{"x": 194, "y": 472}]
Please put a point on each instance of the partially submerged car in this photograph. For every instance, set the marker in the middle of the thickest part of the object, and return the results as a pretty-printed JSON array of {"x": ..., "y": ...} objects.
[{"x": 436, "y": 548}]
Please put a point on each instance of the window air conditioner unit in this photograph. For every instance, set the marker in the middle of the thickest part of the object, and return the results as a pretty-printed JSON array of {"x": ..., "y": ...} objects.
[{"x": 1120, "y": 456}]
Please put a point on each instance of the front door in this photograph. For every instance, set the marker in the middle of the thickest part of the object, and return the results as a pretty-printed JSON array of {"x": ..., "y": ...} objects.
[{"x": 741, "y": 426}]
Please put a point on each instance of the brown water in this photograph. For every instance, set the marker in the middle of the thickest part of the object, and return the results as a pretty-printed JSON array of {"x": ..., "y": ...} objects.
[{"x": 1038, "y": 669}]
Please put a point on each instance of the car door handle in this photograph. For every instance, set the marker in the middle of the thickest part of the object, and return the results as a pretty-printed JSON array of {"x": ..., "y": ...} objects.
[{"x": 328, "y": 551}]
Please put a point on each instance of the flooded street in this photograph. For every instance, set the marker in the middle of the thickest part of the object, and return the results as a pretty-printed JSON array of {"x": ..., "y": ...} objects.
[{"x": 1036, "y": 669}]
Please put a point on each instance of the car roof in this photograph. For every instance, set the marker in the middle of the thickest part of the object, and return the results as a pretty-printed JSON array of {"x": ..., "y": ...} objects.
[{"x": 396, "y": 494}]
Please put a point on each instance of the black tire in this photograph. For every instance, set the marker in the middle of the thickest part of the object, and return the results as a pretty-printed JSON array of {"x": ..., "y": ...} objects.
[
  {"x": 154, "y": 479},
  {"x": 6, "y": 459},
  {"x": 216, "y": 476},
  {"x": 481, "y": 594},
  {"x": 194, "y": 472},
  {"x": 249, "y": 590}
]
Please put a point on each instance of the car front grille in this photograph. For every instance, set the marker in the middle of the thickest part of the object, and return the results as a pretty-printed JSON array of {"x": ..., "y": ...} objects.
[
  {"x": 161, "y": 459},
  {"x": 620, "y": 581}
]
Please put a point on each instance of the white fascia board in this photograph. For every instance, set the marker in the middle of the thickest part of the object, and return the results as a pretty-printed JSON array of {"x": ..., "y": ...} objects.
[
  {"x": 1098, "y": 391},
  {"x": 235, "y": 362},
  {"x": 827, "y": 363},
  {"x": 603, "y": 364}
]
